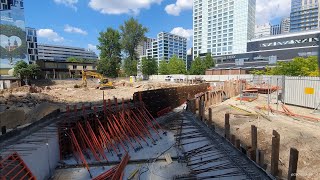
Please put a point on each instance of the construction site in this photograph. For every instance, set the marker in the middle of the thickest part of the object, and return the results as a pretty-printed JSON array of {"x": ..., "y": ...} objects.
[{"x": 206, "y": 127}]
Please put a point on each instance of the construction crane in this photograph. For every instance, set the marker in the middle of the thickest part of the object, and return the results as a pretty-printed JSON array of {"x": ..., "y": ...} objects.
[{"x": 104, "y": 83}]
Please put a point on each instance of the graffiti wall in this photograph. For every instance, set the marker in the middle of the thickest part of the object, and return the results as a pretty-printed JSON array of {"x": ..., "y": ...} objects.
[{"x": 13, "y": 46}]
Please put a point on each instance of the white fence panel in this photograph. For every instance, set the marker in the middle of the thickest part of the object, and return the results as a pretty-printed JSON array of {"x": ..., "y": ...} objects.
[{"x": 295, "y": 94}]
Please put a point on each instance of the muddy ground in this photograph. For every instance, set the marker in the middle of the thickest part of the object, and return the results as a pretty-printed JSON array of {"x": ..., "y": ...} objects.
[{"x": 304, "y": 135}]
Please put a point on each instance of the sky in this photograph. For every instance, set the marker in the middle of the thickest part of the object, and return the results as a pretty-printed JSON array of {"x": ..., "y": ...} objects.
[{"x": 78, "y": 22}]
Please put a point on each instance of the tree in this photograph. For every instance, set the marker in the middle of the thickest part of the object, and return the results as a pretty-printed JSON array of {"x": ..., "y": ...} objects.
[
  {"x": 163, "y": 67},
  {"x": 110, "y": 53},
  {"x": 198, "y": 67},
  {"x": 130, "y": 67},
  {"x": 208, "y": 61},
  {"x": 26, "y": 71},
  {"x": 297, "y": 67},
  {"x": 132, "y": 33},
  {"x": 149, "y": 66},
  {"x": 176, "y": 66}
]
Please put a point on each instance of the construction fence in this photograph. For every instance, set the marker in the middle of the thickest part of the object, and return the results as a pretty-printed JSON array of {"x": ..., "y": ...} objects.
[{"x": 299, "y": 91}]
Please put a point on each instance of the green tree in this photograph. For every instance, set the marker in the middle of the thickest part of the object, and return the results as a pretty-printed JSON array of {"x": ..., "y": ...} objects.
[
  {"x": 208, "y": 61},
  {"x": 132, "y": 33},
  {"x": 149, "y": 66},
  {"x": 110, "y": 52},
  {"x": 163, "y": 67},
  {"x": 297, "y": 67},
  {"x": 130, "y": 67},
  {"x": 198, "y": 67},
  {"x": 26, "y": 71},
  {"x": 176, "y": 66}
]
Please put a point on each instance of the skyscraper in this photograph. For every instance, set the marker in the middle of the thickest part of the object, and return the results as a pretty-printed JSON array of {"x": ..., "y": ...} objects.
[
  {"x": 143, "y": 46},
  {"x": 304, "y": 15},
  {"x": 222, "y": 26}
]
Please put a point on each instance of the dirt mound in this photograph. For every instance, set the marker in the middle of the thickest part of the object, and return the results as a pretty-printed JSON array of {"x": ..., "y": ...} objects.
[
  {"x": 12, "y": 118},
  {"x": 40, "y": 111}
]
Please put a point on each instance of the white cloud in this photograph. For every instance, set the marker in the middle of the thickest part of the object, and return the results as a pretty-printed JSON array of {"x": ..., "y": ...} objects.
[
  {"x": 92, "y": 47},
  {"x": 267, "y": 10},
  {"x": 180, "y": 5},
  {"x": 70, "y": 29},
  {"x": 187, "y": 33},
  {"x": 121, "y": 6},
  {"x": 68, "y": 3},
  {"x": 50, "y": 35}
]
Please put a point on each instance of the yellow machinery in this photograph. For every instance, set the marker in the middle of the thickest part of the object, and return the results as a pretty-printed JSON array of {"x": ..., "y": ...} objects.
[{"x": 103, "y": 81}]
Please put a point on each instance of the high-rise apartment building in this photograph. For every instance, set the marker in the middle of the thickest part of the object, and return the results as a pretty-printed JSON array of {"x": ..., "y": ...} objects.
[
  {"x": 262, "y": 30},
  {"x": 143, "y": 46},
  {"x": 222, "y": 26},
  {"x": 32, "y": 44},
  {"x": 275, "y": 29},
  {"x": 167, "y": 45},
  {"x": 304, "y": 15},
  {"x": 285, "y": 25}
]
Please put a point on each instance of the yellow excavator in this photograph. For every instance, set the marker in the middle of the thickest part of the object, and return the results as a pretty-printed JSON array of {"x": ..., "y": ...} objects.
[{"x": 104, "y": 83}]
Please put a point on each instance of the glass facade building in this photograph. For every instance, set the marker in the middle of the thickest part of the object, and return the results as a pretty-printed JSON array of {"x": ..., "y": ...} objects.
[
  {"x": 32, "y": 44},
  {"x": 62, "y": 53},
  {"x": 222, "y": 27},
  {"x": 304, "y": 15},
  {"x": 167, "y": 45}
]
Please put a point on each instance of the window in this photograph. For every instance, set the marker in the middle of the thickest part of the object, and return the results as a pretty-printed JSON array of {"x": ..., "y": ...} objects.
[
  {"x": 74, "y": 67},
  {"x": 84, "y": 67}
]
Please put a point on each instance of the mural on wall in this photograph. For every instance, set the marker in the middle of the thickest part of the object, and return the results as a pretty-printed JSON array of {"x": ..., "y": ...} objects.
[{"x": 13, "y": 46}]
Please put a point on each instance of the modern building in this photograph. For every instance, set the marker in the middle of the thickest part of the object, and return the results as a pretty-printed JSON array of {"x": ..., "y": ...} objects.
[
  {"x": 32, "y": 44},
  {"x": 267, "y": 51},
  {"x": 262, "y": 30},
  {"x": 62, "y": 53},
  {"x": 275, "y": 29},
  {"x": 167, "y": 45},
  {"x": 304, "y": 15},
  {"x": 222, "y": 27},
  {"x": 13, "y": 45},
  {"x": 143, "y": 46},
  {"x": 285, "y": 25}
]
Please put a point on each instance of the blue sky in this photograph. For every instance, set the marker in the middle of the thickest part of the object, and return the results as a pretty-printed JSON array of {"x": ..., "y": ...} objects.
[{"x": 78, "y": 22}]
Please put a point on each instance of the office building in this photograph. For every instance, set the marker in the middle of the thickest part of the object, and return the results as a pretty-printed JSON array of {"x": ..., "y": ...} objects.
[
  {"x": 262, "y": 30},
  {"x": 304, "y": 15},
  {"x": 32, "y": 44},
  {"x": 62, "y": 53},
  {"x": 13, "y": 36},
  {"x": 167, "y": 45},
  {"x": 267, "y": 51},
  {"x": 285, "y": 25},
  {"x": 275, "y": 29},
  {"x": 222, "y": 27}
]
